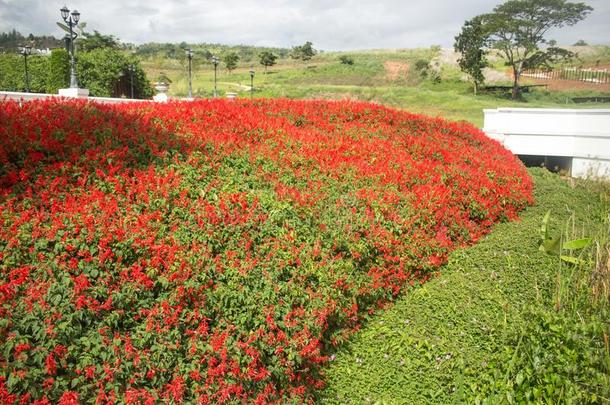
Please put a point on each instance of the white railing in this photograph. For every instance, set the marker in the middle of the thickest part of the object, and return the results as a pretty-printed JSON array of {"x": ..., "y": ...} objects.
[
  {"x": 582, "y": 135},
  {"x": 598, "y": 76}
]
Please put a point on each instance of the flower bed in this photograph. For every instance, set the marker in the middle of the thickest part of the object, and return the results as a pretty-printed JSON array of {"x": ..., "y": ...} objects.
[{"x": 216, "y": 251}]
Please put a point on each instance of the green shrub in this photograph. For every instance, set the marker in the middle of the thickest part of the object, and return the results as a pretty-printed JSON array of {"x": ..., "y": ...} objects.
[
  {"x": 101, "y": 70},
  {"x": 58, "y": 76},
  {"x": 346, "y": 60}
]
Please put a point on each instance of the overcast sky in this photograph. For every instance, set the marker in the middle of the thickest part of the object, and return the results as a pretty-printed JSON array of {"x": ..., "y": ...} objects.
[{"x": 330, "y": 25}]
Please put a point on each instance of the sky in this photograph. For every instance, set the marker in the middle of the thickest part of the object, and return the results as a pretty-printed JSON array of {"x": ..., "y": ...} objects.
[{"x": 330, "y": 25}]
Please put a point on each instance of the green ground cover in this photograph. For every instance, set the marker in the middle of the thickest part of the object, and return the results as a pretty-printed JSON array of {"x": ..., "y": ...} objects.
[{"x": 504, "y": 322}]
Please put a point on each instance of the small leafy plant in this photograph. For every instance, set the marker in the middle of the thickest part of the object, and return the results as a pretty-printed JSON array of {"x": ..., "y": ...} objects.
[{"x": 554, "y": 244}]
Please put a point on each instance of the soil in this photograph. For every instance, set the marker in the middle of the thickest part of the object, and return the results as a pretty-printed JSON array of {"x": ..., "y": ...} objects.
[
  {"x": 396, "y": 70},
  {"x": 493, "y": 76},
  {"x": 448, "y": 56}
]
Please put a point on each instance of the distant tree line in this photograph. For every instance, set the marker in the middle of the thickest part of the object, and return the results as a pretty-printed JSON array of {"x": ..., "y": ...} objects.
[
  {"x": 10, "y": 41},
  {"x": 204, "y": 51}
]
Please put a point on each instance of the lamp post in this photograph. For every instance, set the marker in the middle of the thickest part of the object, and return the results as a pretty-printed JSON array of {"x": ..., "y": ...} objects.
[
  {"x": 215, "y": 62},
  {"x": 132, "y": 70},
  {"x": 251, "y": 82},
  {"x": 71, "y": 19},
  {"x": 26, "y": 50},
  {"x": 189, "y": 55}
]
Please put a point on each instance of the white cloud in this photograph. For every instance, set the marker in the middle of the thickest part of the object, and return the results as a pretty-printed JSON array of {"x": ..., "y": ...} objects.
[{"x": 341, "y": 24}]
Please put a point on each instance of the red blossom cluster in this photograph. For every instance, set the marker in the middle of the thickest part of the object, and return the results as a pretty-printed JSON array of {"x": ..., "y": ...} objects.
[{"x": 219, "y": 251}]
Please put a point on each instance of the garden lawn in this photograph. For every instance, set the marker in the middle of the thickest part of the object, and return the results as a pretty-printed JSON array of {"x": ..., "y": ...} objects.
[
  {"x": 218, "y": 251},
  {"x": 503, "y": 323}
]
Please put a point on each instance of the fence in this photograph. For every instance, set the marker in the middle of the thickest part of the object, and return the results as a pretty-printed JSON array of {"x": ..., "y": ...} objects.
[{"x": 598, "y": 76}]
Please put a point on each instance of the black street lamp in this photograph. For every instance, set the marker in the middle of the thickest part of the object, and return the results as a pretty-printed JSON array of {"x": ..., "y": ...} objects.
[
  {"x": 26, "y": 50},
  {"x": 251, "y": 82},
  {"x": 215, "y": 62},
  {"x": 71, "y": 19},
  {"x": 132, "y": 70},
  {"x": 189, "y": 55}
]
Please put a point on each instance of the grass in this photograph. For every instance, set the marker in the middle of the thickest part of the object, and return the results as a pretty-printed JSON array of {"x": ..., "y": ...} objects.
[
  {"x": 503, "y": 323},
  {"x": 367, "y": 80}
]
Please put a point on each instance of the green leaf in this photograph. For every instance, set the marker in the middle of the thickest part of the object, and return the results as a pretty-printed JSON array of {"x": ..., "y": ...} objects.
[
  {"x": 519, "y": 378},
  {"x": 572, "y": 260},
  {"x": 577, "y": 244},
  {"x": 63, "y": 27}
]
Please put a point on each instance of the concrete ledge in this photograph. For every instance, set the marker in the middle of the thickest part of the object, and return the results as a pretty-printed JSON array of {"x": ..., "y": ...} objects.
[
  {"x": 582, "y": 135},
  {"x": 12, "y": 95},
  {"x": 74, "y": 92}
]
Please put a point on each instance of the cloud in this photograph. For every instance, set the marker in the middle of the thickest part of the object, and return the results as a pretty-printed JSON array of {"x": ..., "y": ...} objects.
[{"x": 340, "y": 24}]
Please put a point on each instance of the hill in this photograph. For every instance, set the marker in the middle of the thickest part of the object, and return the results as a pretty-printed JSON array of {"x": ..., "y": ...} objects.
[{"x": 425, "y": 80}]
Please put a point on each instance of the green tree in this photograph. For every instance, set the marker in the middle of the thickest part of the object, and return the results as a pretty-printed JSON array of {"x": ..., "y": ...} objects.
[
  {"x": 470, "y": 43},
  {"x": 303, "y": 52},
  {"x": 90, "y": 41},
  {"x": 230, "y": 60},
  {"x": 10, "y": 41},
  {"x": 267, "y": 58},
  {"x": 517, "y": 29}
]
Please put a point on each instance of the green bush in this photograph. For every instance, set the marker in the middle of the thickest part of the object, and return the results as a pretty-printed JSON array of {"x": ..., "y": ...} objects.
[
  {"x": 346, "y": 60},
  {"x": 58, "y": 75},
  {"x": 104, "y": 71},
  {"x": 12, "y": 72}
]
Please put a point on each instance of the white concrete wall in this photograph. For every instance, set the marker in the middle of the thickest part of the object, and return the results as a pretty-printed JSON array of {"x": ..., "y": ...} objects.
[
  {"x": 583, "y": 135},
  {"x": 12, "y": 95}
]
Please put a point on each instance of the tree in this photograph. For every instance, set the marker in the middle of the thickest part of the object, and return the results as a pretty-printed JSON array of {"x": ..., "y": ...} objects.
[
  {"x": 517, "y": 29},
  {"x": 470, "y": 44},
  {"x": 303, "y": 52},
  {"x": 90, "y": 41},
  {"x": 10, "y": 41},
  {"x": 230, "y": 60},
  {"x": 580, "y": 42},
  {"x": 267, "y": 58}
]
